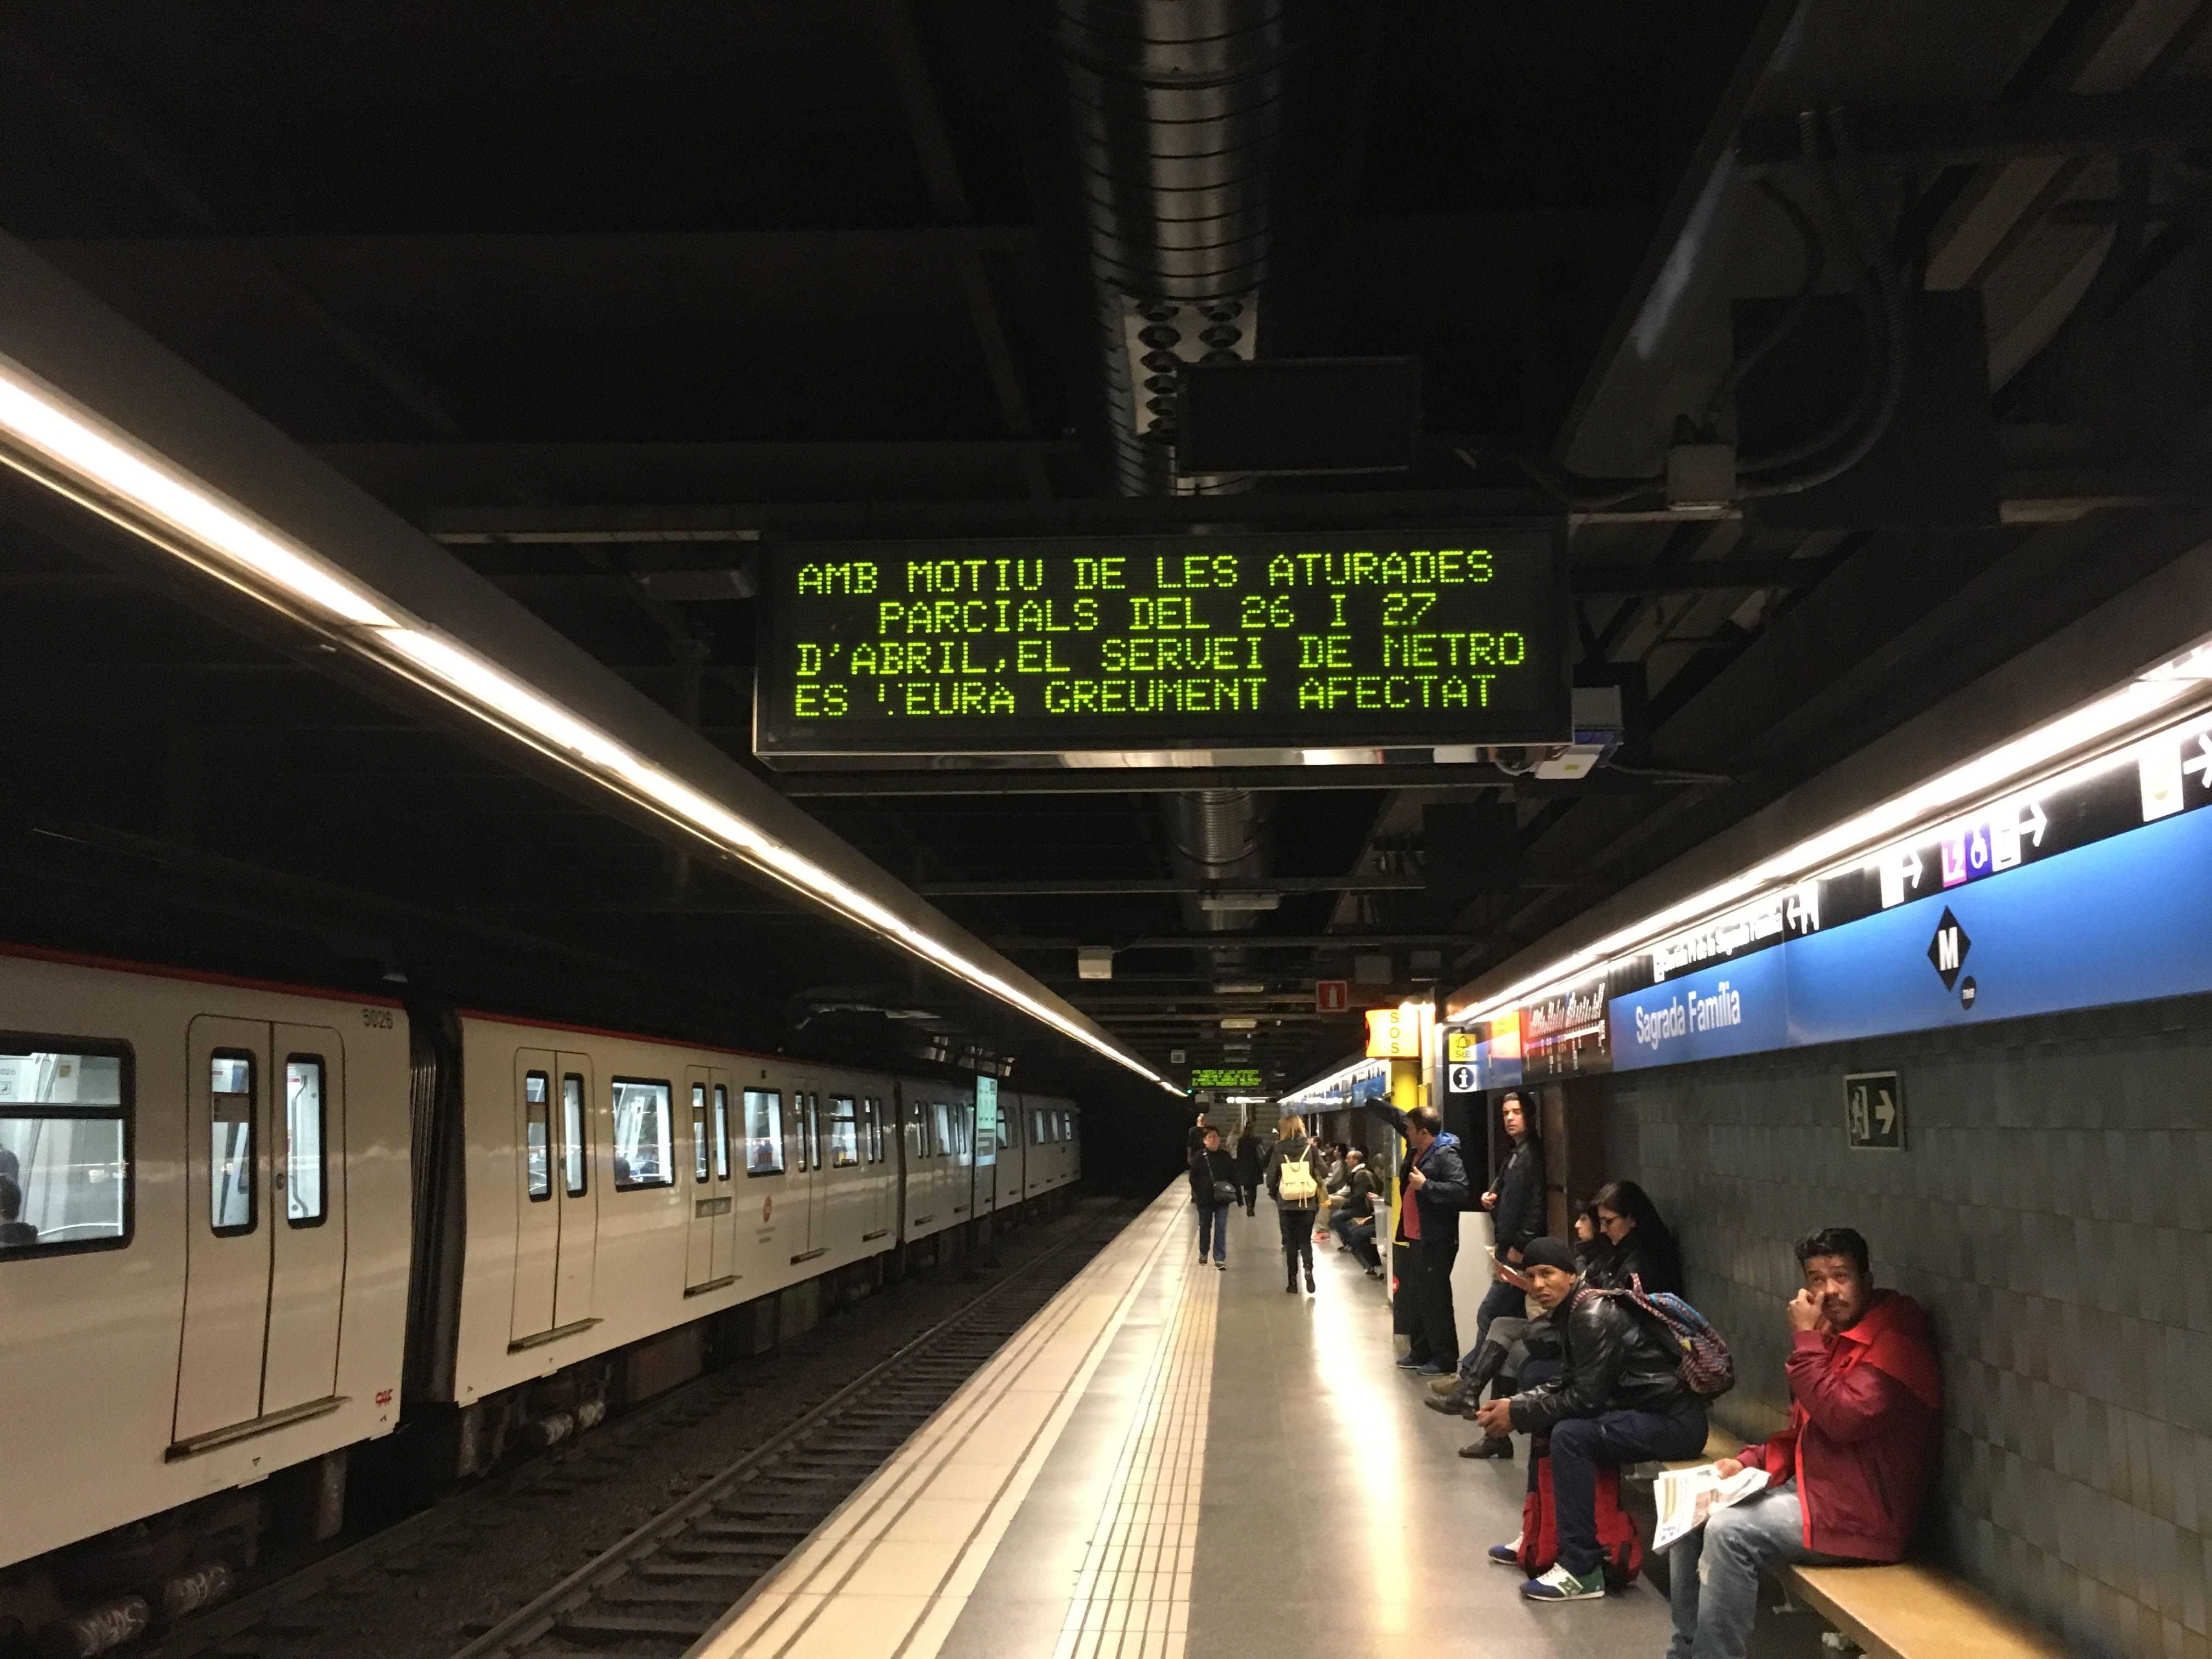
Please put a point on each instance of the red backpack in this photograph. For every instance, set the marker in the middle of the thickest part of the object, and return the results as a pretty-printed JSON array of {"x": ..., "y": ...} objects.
[{"x": 1540, "y": 1530}]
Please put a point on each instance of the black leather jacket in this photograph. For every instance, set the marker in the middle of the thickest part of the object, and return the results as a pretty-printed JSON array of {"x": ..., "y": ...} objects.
[
  {"x": 1615, "y": 1361},
  {"x": 1651, "y": 1262}
]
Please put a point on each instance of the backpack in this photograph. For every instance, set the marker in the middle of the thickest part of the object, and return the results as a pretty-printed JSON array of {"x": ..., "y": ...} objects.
[
  {"x": 1616, "y": 1530},
  {"x": 1707, "y": 1369},
  {"x": 1294, "y": 1179}
]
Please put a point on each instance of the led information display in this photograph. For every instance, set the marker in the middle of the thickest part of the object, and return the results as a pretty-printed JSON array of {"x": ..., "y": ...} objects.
[
  {"x": 1164, "y": 642},
  {"x": 1224, "y": 1076}
]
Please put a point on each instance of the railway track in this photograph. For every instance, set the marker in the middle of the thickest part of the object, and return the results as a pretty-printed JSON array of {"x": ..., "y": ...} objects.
[{"x": 658, "y": 1589}]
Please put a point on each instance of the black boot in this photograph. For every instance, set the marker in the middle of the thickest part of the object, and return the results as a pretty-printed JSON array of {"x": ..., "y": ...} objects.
[{"x": 1495, "y": 1445}]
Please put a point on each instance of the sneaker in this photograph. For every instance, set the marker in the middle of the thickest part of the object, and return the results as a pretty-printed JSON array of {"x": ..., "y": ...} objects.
[
  {"x": 1445, "y": 1384},
  {"x": 1410, "y": 1363},
  {"x": 1434, "y": 1370},
  {"x": 1505, "y": 1555},
  {"x": 1223, "y": 1266},
  {"x": 1560, "y": 1585}
]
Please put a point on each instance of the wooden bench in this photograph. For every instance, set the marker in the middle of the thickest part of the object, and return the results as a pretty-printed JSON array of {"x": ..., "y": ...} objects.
[
  {"x": 1909, "y": 1610},
  {"x": 1913, "y": 1610}
]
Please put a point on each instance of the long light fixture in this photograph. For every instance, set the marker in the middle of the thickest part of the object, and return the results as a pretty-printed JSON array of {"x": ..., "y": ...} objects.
[
  {"x": 73, "y": 449},
  {"x": 2011, "y": 763}
]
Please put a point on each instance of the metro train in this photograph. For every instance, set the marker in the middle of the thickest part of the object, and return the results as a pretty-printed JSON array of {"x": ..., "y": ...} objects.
[{"x": 247, "y": 1231}]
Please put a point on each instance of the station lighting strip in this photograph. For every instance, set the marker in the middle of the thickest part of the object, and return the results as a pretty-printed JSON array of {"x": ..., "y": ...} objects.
[
  {"x": 1865, "y": 839},
  {"x": 74, "y": 451}
]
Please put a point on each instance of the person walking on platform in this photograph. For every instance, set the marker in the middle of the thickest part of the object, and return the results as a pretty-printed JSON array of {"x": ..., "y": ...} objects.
[
  {"x": 1432, "y": 1187},
  {"x": 1249, "y": 1162},
  {"x": 1294, "y": 1177},
  {"x": 1214, "y": 1195}
]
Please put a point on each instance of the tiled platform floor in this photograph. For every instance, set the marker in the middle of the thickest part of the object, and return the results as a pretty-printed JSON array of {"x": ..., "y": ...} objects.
[{"x": 1171, "y": 1461}]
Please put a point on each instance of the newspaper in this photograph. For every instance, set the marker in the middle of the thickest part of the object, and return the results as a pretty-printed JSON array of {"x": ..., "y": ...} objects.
[{"x": 1685, "y": 1498}]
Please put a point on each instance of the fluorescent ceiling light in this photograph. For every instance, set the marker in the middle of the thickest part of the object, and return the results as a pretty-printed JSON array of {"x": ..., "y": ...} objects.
[
  {"x": 1240, "y": 1023},
  {"x": 1240, "y": 902},
  {"x": 1240, "y": 988},
  {"x": 72, "y": 448}
]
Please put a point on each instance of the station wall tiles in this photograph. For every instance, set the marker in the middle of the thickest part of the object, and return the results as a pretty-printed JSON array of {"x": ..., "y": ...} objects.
[{"x": 2051, "y": 1210}]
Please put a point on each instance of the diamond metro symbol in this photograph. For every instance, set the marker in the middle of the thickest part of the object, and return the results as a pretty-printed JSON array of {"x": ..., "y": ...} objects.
[{"x": 1946, "y": 952}]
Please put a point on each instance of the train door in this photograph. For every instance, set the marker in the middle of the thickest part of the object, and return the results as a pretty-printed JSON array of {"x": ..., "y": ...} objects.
[
  {"x": 724, "y": 1256},
  {"x": 578, "y": 1202},
  {"x": 537, "y": 1217},
  {"x": 879, "y": 1152},
  {"x": 709, "y": 1256},
  {"x": 307, "y": 1217},
  {"x": 265, "y": 1236},
  {"x": 810, "y": 1236}
]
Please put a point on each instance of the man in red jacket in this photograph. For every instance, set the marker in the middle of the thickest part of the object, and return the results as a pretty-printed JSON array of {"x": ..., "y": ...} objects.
[{"x": 1846, "y": 1481}]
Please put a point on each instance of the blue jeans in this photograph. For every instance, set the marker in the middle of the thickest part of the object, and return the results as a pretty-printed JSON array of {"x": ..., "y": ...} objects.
[
  {"x": 1213, "y": 1225},
  {"x": 1503, "y": 1302},
  {"x": 1579, "y": 1444},
  {"x": 1713, "y": 1574}
]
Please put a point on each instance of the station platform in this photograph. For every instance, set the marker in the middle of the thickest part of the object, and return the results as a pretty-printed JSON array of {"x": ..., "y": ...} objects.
[{"x": 1170, "y": 1460}]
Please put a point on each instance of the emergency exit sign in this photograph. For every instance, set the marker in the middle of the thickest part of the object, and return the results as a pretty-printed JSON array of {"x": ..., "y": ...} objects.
[{"x": 1874, "y": 1112}]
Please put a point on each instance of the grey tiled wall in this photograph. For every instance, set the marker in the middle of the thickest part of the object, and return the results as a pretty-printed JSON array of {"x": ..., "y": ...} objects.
[{"x": 2052, "y": 1209}]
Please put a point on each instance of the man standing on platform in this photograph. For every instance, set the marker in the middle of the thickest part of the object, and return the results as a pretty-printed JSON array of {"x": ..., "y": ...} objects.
[{"x": 1431, "y": 1189}]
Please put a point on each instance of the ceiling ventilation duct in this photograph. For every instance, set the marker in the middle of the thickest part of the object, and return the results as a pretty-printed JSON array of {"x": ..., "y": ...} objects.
[{"x": 1178, "y": 107}]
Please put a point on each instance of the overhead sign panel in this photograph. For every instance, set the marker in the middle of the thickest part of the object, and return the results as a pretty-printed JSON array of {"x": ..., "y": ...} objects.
[{"x": 1135, "y": 643}]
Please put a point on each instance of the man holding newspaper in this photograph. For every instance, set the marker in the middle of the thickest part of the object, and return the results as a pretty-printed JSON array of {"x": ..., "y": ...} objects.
[{"x": 1844, "y": 1483}]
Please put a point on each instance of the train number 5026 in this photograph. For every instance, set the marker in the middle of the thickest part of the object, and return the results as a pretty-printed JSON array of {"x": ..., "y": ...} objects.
[{"x": 377, "y": 1019}]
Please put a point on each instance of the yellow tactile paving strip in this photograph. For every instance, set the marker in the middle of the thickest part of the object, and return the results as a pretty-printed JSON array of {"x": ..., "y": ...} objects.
[
  {"x": 1133, "y": 1597},
  {"x": 889, "y": 1573}
]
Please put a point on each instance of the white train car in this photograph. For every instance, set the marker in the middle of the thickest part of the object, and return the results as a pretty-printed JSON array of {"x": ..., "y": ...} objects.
[
  {"x": 244, "y": 1226},
  {"x": 204, "y": 1261}
]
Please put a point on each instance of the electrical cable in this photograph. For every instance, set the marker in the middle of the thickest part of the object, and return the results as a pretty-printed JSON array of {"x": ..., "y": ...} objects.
[
  {"x": 1808, "y": 234},
  {"x": 1853, "y": 416},
  {"x": 1889, "y": 285}
]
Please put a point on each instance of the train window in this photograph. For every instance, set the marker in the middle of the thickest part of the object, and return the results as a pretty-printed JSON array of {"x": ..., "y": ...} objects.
[
  {"x": 940, "y": 1121},
  {"x": 1036, "y": 1129},
  {"x": 231, "y": 1207},
  {"x": 763, "y": 1131},
  {"x": 304, "y": 1204},
  {"x": 798, "y": 1136},
  {"x": 1066, "y": 1127},
  {"x": 575, "y": 1137},
  {"x": 917, "y": 1134},
  {"x": 875, "y": 1130},
  {"x": 699, "y": 1165},
  {"x": 536, "y": 1136},
  {"x": 844, "y": 1132},
  {"x": 721, "y": 1132},
  {"x": 644, "y": 1153},
  {"x": 64, "y": 1148}
]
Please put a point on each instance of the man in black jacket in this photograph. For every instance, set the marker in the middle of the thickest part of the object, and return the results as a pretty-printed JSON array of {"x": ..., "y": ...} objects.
[
  {"x": 1431, "y": 1189},
  {"x": 1620, "y": 1400},
  {"x": 1248, "y": 1165}
]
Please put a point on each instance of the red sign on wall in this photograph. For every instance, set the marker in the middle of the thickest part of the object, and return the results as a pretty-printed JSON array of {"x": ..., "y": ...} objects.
[{"x": 1332, "y": 996}]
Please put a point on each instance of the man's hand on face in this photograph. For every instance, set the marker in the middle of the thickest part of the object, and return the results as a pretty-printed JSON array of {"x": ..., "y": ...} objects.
[
  {"x": 1495, "y": 1418},
  {"x": 1804, "y": 1311}
]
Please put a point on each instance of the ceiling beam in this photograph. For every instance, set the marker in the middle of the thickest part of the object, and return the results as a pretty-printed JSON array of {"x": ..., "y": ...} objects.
[
  {"x": 2167, "y": 117},
  {"x": 1115, "y": 886},
  {"x": 1247, "y": 941}
]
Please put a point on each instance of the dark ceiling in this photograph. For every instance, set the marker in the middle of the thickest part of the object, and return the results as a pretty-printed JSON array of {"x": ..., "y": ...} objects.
[{"x": 597, "y": 294}]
